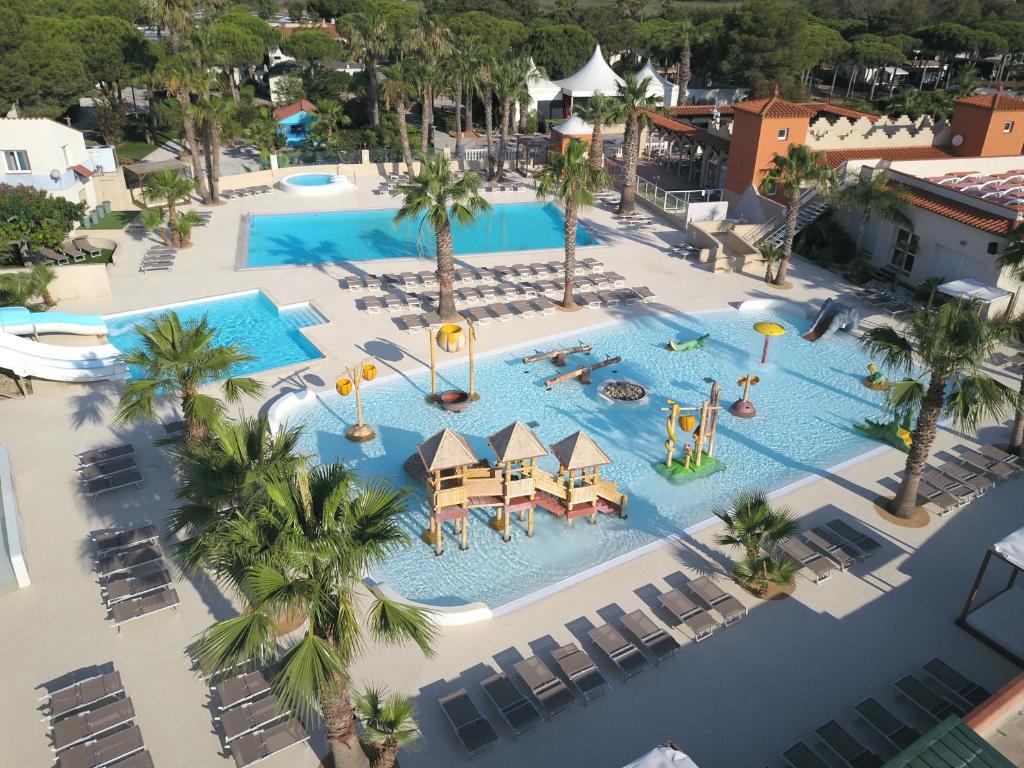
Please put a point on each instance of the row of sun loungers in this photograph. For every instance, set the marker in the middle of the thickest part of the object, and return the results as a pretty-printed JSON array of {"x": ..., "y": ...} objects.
[
  {"x": 158, "y": 259},
  {"x": 108, "y": 469},
  {"x": 950, "y": 485},
  {"x": 233, "y": 194},
  {"x": 251, "y": 720},
  {"x": 465, "y": 275},
  {"x": 699, "y": 619},
  {"x": 134, "y": 577}
]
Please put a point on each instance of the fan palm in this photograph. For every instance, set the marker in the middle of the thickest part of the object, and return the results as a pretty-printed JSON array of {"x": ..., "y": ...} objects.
[
  {"x": 369, "y": 38},
  {"x": 511, "y": 81},
  {"x": 437, "y": 196},
  {"x": 600, "y": 111},
  {"x": 787, "y": 175},
  {"x": 486, "y": 65},
  {"x": 635, "y": 103},
  {"x": 170, "y": 187},
  {"x": 942, "y": 353},
  {"x": 571, "y": 179},
  {"x": 19, "y": 289},
  {"x": 211, "y": 115},
  {"x": 755, "y": 526},
  {"x": 874, "y": 197},
  {"x": 306, "y": 550},
  {"x": 176, "y": 359},
  {"x": 389, "y": 723},
  {"x": 180, "y": 76},
  {"x": 332, "y": 116},
  {"x": 397, "y": 91},
  {"x": 770, "y": 256},
  {"x": 183, "y": 227}
]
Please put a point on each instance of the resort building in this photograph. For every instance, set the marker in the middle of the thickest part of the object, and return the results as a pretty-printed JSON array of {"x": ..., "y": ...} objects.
[{"x": 294, "y": 120}]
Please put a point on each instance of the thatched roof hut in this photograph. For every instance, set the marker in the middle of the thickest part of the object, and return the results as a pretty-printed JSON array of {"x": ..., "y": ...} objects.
[{"x": 516, "y": 442}]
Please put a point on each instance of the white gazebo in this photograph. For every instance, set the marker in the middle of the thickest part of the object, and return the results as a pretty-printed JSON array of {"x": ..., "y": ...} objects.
[
  {"x": 994, "y": 611},
  {"x": 542, "y": 91},
  {"x": 660, "y": 87},
  {"x": 573, "y": 128},
  {"x": 992, "y": 299},
  {"x": 594, "y": 77}
]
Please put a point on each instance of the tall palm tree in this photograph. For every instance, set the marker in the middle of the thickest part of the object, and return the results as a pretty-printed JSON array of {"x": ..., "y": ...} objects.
[
  {"x": 685, "y": 31},
  {"x": 511, "y": 80},
  {"x": 306, "y": 550},
  {"x": 486, "y": 66},
  {"x": 756, "y": 527},
  {"x": 1012, "y": 261},
  {"x": 172, "y": 188},
  {"x": 180, "y": 76},
  {"x": 874, "y": 197},
  {"x": 1015, "y": 332},
  {"x": 572, "y": 180},
  {"x": 211, "y": 115},
  {"x": 369, "y": 40},
  {"x": 176, "y": 359},
  {"x": 788, "y": 174},
  {"x": 635, "y": 103},
  {"x": 433, "y": 44},
  {"x": 941, "y": 352},
  {"x": 389, "y": 723},
  {"x": 396, "y": 92},
  {"x": 600, "y": 111},
  {"x": 437, "y": 196}
]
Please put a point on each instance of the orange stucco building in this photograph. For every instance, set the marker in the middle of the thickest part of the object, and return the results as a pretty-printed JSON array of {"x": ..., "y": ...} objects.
[
  {"x": 987, "y": 126},
  {"x": 762, "y": 129}
]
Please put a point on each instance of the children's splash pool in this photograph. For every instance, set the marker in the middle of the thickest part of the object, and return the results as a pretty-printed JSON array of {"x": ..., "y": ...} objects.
[{"x": 808, "y": 396}]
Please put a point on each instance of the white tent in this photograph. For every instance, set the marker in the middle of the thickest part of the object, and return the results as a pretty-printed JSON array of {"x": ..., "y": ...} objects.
[
  {"x": 994, "y": 611},
  {"x": 574, "y": 126},
  {"x": 663, "y": 757},
  {"x": 660, "y": 87},
  {"x": 540, "y": 88},
  {"x": 594, "y": 77}
]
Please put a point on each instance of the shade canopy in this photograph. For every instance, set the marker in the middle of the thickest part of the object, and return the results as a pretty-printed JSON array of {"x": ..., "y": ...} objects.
[
  {"x": 515, "y": 443},
  {"x": 539, "y": 87},
  {"x": 769, "y": 329},
  {"x": 973, "y": 290},
  {"x": 578, "y": 451},
  {"x": 663, "y": 757},
  {"x": 1012, "y": 548},
  {"x": 446, "y": 450},
  {"x": 574, "y": 126},
  {"x": 659, "y": 87},
  {"x": 594, "y": 77}
]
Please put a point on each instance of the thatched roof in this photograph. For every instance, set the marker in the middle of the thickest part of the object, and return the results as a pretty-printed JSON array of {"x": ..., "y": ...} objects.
[
  {"x": 515, "y": 443},
  {"x": 578, "y": 451},
  {"x": 446, "y": 450}
]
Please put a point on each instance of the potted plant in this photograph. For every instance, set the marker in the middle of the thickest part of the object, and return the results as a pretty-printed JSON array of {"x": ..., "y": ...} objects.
[{"x": 756, "y": 527}]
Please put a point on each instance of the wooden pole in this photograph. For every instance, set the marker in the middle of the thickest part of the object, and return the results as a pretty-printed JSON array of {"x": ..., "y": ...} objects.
[
  {"x": 358, "y": 379},
  {"x": 465, "y": 534},
  {"x": 700, "y": 429},
  {"x": 433, "y": 367},
  {"x": 716, "y": 396},
  {"x": 472, "y": 369}
]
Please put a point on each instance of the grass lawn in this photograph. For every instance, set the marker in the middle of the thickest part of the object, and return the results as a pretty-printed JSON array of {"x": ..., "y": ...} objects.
[
  {"x": 115, "y": 220},
  {"x": 132, "y": 151}
]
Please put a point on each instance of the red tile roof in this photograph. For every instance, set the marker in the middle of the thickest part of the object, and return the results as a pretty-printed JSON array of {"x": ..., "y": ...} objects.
[
  {"x": 837, "y": 157},
  {"x": 772, "y": 107},
  {"x": 999, "y": 100},
  {"x": 699, "y": 110},
  {"x": 676, "y": 126},
  {"x": 286, "y": 30},
  {"x": 81, "y": 170},
  {"x": 302, "y": 105},
  {"x": 962, "y": 212},
  {"x": 818, "y": 108}
]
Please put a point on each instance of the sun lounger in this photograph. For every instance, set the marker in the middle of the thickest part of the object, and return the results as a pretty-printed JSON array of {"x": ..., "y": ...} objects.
[
  {"x": 84, "y": 245},
  {"x": 851, "y": 751},
  {"x": 373, "y": 304},
  {"x": 926, "y": 699},
  {"x": 428, "y": 279},
  {"x": 259, "y": 745},
  {"x": 522, "y": 270},
  {"x": 138, "y": 583},
  {"x": 581, "y": 671},
  {"x": 645, "y": 294},
  {"x": 983, "y": 463},
  {"x": 103, "y": 751},
  {"x": 541, "y": 270},
  {"x": 91, "y": 724},
  {"x": 138, "y": 760},
  {"x": 486, "y": 292},
  {"x": 939, "y": 481},
  {"x": 130, "y": 610},
  {"x": 164, "y": 265},
  {"x": 73, "y": 251},
  {"x": 85, "y": 693},
  {"x": 833, "y": 546},
  {"x": 250, "y": 717},
  {"x": 478, "y": 315},
  {"x": 701, "y": 623},
  {"x": 892, "y": 729},
  {"x": 122, "y": 559},
  {"x": 727, "y": 606},
  {"x": 966, "y": 476},
  {"x": 350, "y": 284},
  {"x": 1000, "y": 455},
  {"x": 107, "y": 468},
  {"x": 522, "y": 309},
  {"x": 622, "y": 653},
  {"x": 551, "y": 693},
  {"x": 501, "y": 312},
  {"x": 591, "y": 264},
  {"x": 615, "y": 279},
  {"x": 802, "y": 756},
  {"x": 544, "y": 305},
  {"x": 120, "y": 539},
  {"x": 608, "y": 298},
  {"x": 867, "y": 545},
  {"x": 655, "y": 640},
  {"x": 518, "y": 712},
  {"x": 953, "y": 681},
  {"x": 51, "y": 255},
  {"x": 473, "y": 730},
  {"x": 240, "y": 689},
  {"x": 413, "y": 323},
  {"x": 816, "y": 563}
]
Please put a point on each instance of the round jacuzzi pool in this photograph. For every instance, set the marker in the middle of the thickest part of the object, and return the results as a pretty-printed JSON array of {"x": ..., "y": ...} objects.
[{"x": 316, "y": 184}]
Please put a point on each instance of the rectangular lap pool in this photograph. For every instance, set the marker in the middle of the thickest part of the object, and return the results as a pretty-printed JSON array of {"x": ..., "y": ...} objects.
[
  {"x": 260, "y": 327},
  {"x": 278, "y": 240}
]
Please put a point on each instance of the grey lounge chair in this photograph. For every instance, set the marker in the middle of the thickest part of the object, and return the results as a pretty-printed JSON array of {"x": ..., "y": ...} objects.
[
  {"x": 1000, "y": 455},
  {"x": 851, "y": 751},
  {"x": 249, "y": 717},
  {"x": 615, "y": 279},
  {"x": 123, "y": 538},
  {"x": 85, "y": 693},
  {"x": 892, "y": 729},
  {"x": 103, "y": 751},
  {"x": 522, "y": 309},
  {"x": 622, "y": 653},
  {"x": 831, "y": 545},
  {"x": 655, "y": 640},
  {"x": 518, "y": 712},
  {"x": 373, "y": 304},
  {"x": 581, "y": 671},
  {"x": 951, "y": 680},
  {"x": 927, "y": 700},
  {"x": 240, "y": 689},
  {"x": 100, "y": 485},
  {"x": 473, "y": 730},
  {"x": 590, "y": 264},
  {"x": 501, "y": 312},
  {"x": 937, "y": 502},
  {"x": 608, "y": 298},
  {"x": 84, "y": 245},
  {"x": 123, "y": 559},
  {"x": 130, "y": 610},
  {"x": 867, "y": 545},
  {"x": 727, "y": 606},
  {"x": 107, "y": 468},
  {"x": 966, "y": 476},
  {"x": 138, "y": 760},
  {"x": 97, "y": 455},
  {"x": 73, "y": 251},
  {"x": 983, "y": 463},
  {"x": 551, "y": 693},
  {"x": 92, "y": 723},
  {"x": 698, "y": 621},
  {"x": 413, "y": 323},
  {"x": 259, "y": 745},
  {"x": 941, "y": 482},
  {"x": 51, "y": 255},
  {"x": 350, "y": 284},
  {"x": 478, "y": 315},
  {"x": 163, "y": 265},
  {"x": 799, "y": 552},
  {"x": 148, "y": 578},
  {"x": 802, "y": 756}
]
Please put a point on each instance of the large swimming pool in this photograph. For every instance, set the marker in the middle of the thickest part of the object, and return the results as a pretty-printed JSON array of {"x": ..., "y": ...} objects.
[
  {"x": 808, "y": 396},
  {"x": 335, "y": 236},
  {"x": 250, "y": 319}
]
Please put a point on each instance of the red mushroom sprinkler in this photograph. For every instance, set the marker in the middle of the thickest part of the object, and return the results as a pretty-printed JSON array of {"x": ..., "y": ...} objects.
[{"x": 768, "y": 330}]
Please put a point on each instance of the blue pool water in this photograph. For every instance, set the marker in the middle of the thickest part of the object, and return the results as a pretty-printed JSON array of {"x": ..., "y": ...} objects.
[
  {"x": 335, "y": 236},
  {"x": 310, "y": 179},
  {"x": 808, "y": 396},
  {"x": 249, "y": 319}
]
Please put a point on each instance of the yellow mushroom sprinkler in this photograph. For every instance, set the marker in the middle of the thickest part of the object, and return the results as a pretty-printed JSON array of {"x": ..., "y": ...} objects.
[{"x": 768, "y": 330}]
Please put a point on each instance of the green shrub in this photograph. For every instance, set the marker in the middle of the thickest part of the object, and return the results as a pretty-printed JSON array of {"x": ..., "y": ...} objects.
[
  {"x": 825, "y": 242},
  {"x": 860, "y": 271}
]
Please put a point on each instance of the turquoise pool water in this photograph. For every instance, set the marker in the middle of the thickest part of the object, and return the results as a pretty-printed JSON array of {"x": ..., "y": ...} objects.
[
  {"x": 310, "y": 179},
  {"x": 808, "y": 396},
  {"x": 324, "y": 238},
  {"x": 249, "y": 319}
]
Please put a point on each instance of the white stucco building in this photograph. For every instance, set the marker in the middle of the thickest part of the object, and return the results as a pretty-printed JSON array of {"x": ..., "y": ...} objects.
[{"x": 44, "y": 154}]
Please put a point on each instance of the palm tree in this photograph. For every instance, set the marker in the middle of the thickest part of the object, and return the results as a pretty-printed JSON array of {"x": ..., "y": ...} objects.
[
  {"x": 1012, "y": 260},
  {"x": 439, "y": 197},
  {"x": 800, "y": 167},
  {"x": 600, "y": 111},
  {"x": 389, "y": 723},
  {"x": 305, "y": 551},
  {"x": 571, "y": 178},
  {"x": 212, "y": 115},
  {"x": 153, "y": 220},
  {"x": 635, "y": 101},
  {"x": 941, "y": 352},
  {"x": 183, "y": 227},
  {"x": 511, "y": 81},
  {"x": 333, "y": 116},
  {"x": 396, "y": 92},
  {"x": 176, "y": 359},
  {"x": 369, "y": 40},
  {"x": 170, "y": 187},
  {"x": 486, "y": 66},
  {"x": 433, "y": 44},
  {"x": 755, "y": 526},
  {"x": 21, "y": 288},
  {"x": 685, "y": 31},
  {"x": 874, "y": 197},
  {"x": 770, "y": 256},
  {"x": 1015, "y": 332},
  {"x": 180, "y": 77}
]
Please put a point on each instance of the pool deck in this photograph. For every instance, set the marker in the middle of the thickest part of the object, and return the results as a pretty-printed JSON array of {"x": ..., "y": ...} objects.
[{"x": 735, "y": 700}]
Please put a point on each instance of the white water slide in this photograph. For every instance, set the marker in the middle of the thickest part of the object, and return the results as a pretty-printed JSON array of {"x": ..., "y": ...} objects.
[{"x": 25, "y": 357}]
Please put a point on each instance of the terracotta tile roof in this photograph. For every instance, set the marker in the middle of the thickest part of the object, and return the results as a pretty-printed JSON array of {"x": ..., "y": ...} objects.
[
  {"x": 676, "y": 126},
  {"x": 772, "y": 107},
  {"x": 286, "y": 30},
  {"x": 962, "y": 212},
  {"x": 817, "y": 108},
  {"x": 699, "y": 110},
  {"x": 302, "y": 105},
  {"x": 81, "y": 170},
  {"x": 837, "y": 157},
  {"x": 996, "y": 101}
]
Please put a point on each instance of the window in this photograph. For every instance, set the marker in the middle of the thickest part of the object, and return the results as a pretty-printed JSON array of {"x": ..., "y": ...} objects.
[
  {"x": 17, "y": 160},
  {"x": 905, "y": 251},
  {"x": 783, "y": 134},
  {"x": 1008, "y": 126}
]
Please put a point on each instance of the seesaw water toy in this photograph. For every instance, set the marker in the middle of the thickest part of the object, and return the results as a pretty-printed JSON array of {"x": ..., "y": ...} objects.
[
  {"x": 743, "y": 408},
  {"x": 768, "y": 330},
  {"x": 691, "y": 344},
  {"x": 557, "y": 356},
  {"x": 582, "y": 373},
  {"x": 875, "y": 379}
]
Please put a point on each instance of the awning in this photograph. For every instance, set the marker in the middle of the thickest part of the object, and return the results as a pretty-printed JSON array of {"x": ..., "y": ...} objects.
[
  {"x": 82, "y": 171},
  {"x": 1012, "y": 548},
  {"x": 663, "y": 757},
  {"x": 973, "y": 290},
  {"x": 151, "y": 166}
]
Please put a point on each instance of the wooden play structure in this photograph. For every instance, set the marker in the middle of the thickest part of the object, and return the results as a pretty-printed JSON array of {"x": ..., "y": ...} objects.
[
  {"x": 457, "y": 481},
  {"x": 452, "y": 338},
  {"x": 557, "y": 356},
  {"x": 582, "y": 373},
  {"x": 355, "y": 375},
  {"x": 699, "y": 460}
]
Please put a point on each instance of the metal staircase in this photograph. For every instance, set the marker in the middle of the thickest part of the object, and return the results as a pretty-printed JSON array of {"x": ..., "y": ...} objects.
[{"x": 812, "y": 205}]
